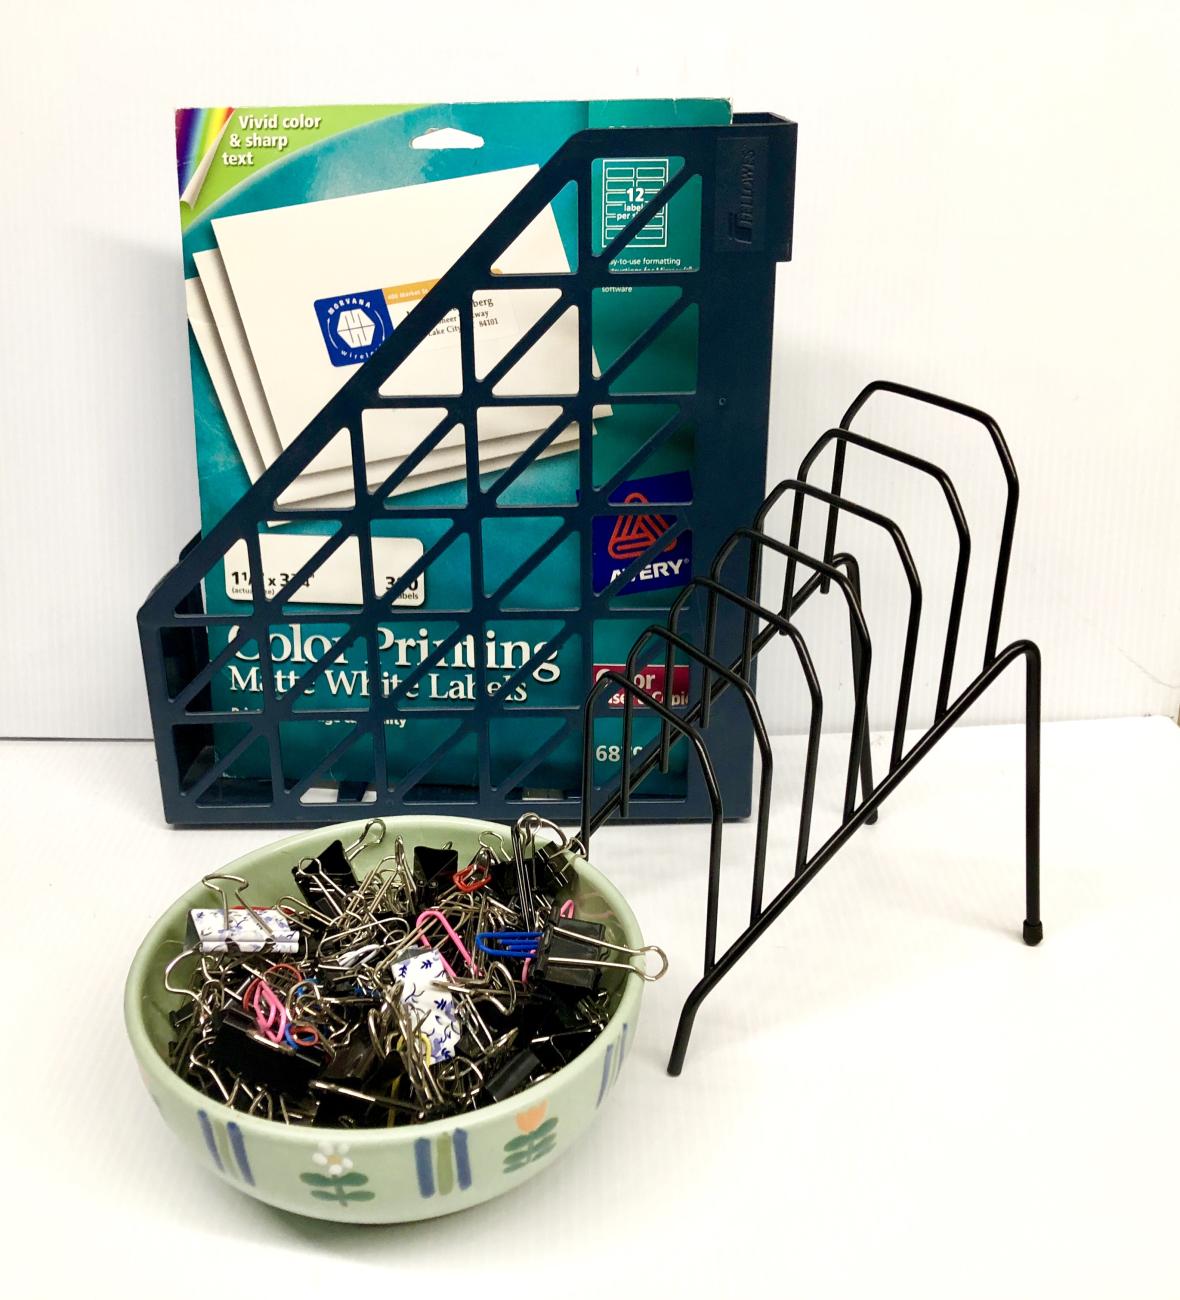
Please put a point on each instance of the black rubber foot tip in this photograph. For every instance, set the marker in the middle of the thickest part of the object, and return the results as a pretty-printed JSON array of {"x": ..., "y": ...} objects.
[
  {"x": 871, "y": 819},
  {"x": 1034, "y": 932}
]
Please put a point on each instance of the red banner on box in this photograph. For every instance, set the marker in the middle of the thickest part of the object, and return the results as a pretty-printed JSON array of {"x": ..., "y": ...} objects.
[{"x": 651, "y": 680}]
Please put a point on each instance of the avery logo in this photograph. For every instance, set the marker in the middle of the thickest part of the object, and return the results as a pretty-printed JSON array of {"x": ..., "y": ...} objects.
[
  {"x": 633, "y": 534},
  {"x": 354, "y": 326},
  {"x": 618, "y": 540}
]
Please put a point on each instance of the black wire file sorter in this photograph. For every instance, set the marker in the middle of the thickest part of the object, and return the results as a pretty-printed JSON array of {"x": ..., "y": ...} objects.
[
  {"x": 806, "y": 576},
  {"x": 744, "y": 176}
]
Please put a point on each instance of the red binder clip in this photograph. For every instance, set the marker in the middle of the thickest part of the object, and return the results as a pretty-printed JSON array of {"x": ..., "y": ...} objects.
[{"x": 474, "y": 876}]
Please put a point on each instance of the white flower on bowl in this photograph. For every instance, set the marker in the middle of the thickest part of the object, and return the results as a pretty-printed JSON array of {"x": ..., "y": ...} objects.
[{"x": 333, "y": 1158}]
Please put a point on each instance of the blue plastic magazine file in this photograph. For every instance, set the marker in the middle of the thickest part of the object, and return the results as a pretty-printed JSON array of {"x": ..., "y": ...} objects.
[{"x": 310, "y": 235}]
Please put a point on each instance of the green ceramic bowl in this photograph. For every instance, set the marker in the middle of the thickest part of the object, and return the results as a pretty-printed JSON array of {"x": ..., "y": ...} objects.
[{"x": 379, "y": 1175}]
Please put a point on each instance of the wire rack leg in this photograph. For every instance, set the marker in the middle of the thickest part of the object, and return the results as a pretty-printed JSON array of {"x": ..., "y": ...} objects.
[
  {"x": 1034, "y": 931},
  {"x": 716, "y": 970}
]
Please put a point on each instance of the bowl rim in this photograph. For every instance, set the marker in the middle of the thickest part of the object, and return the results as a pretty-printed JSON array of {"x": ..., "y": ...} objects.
[{"x": 153, "y": 1065}]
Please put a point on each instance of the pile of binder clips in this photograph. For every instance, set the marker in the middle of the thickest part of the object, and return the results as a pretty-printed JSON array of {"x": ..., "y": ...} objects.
[{"x": 429, "y": 987}]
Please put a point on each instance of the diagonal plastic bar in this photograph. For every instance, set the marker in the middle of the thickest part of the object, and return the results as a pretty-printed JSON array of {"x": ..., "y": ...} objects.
[{"x": 645, "y": 339}]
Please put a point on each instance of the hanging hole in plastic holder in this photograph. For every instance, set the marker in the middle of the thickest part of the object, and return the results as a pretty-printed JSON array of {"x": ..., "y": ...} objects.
[
  {"x": 441, "y": 551},
  {"x": 508, "y": 433},
  {"x": 325, "y": 483},
  {"x": 632, "y": 542},
  {"x": 412, "y": 449},
  {"x": 548, "y": 366},
  {"x": 235, "y": 687},
  {"x": 501, "y": 320},
  {"x": 244, "y": 782},
  {"x": 331, "y": 570}
]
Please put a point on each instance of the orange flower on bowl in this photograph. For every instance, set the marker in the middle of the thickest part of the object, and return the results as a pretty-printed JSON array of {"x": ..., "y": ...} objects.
[{"x": 530, "y": 1119}]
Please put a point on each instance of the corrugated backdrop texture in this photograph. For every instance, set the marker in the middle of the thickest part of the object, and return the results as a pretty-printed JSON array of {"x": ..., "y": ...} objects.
[{"x": 987, "y": 206}]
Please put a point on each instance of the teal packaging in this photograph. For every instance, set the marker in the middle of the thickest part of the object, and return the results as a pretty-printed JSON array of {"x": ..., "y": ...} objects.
[{"x": 258, "y": 160}]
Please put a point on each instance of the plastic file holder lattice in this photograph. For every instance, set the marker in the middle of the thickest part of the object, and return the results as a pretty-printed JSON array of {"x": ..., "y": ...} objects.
[{"x": 744, "y": 174}]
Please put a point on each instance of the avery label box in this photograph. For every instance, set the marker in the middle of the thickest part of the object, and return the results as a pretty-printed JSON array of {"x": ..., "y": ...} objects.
[{"x": 310, "y": 236}]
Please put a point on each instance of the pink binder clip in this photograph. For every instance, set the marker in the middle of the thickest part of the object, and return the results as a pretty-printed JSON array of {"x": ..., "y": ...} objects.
[{"x": 449, "y": 931}]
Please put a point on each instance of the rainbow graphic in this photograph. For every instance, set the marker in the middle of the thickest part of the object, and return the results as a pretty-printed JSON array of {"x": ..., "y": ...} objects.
[{"x": 198, "y": 132}]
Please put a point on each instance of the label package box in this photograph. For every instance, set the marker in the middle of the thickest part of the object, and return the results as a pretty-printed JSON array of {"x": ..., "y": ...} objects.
[{"x": 309, "y": 236}]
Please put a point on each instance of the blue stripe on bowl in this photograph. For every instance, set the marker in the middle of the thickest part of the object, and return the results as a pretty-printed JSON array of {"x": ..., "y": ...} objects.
[
  {"x": 422, "y": 1162},
  {"x": 462, "y": 1160},
  {"x": 605, "y": 1074},
  {"x": 237, "y": 1142},
  {"x": 210, "y": 1141}
]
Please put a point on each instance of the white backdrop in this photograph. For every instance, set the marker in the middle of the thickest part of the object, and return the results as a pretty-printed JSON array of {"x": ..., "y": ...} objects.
[{"x": 988, "y": 205}]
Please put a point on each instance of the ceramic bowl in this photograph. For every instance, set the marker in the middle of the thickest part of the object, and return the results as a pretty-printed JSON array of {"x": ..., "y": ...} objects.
[{"x": 379, "y": 1175}]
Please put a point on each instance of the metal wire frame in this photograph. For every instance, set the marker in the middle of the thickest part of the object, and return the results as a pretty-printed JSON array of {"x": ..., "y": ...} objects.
[
  {"x": 683, "y": 727},
  {"x": 955, "y": 609},
  {"x": 761, "y": 735},
  {"x": 716, "y": 678},
  {"x": 815, "y": 727},
  {"x": 1012, "y": 497},
  {"x": 862, "y": 646}
]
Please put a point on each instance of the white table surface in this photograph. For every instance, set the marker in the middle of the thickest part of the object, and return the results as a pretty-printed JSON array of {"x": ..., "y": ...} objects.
[{"x": 890, "y": 1095}]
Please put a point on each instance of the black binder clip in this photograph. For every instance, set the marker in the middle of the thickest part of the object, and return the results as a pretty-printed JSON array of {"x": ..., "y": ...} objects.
[
  {"x": 512, "y": 1076},
  {"x": 237, "y": 1045},
  {"x": 529, "y": 855},
  {"x": 327, "y": 880},
  {"x": 569, "y": 955},
  {"x": 435, "y": 867}
]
